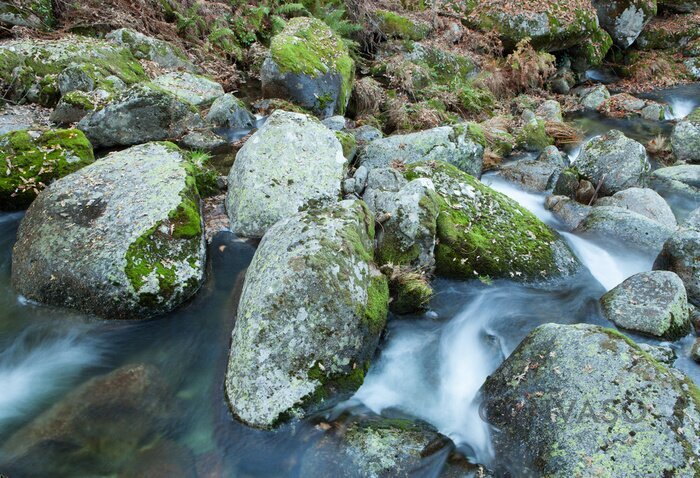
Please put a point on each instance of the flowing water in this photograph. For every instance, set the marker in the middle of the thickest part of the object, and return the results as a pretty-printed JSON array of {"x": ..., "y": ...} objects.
[{"x": 430, "y": 366}]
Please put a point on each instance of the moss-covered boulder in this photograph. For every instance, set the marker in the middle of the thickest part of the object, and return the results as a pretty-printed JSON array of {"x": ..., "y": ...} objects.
[
  {"x": 121, "y": 238},
  {"x": 152, "y": 49},
  {"x": 289, "y": 164},
  {"x": 460, "y": 145},
  {"x": 669, "y": 32},
  {"x": 685, "y": 138},
  {"x": 653, "y": 303},
  {"x": 143, "y": 113},
  {"x": 552, "y": 25},
  {"x": 624, "y": 20},
  {"x": 394, "y": 25},
  {"x": 27, "y": 13},
  {"x": 40, "y": 71},
  {"x": 76, "y": 105},
  {"x": 309, "y": 65},
  {"x": 194, "y": 89},
  {"x": 482, "y": 232},
  {"x": 680, "y": 6},
  {"x": 33, "y": 159},
  {"x": 312, "y": 310},
  {"x": 580, "y": 400},
  {"x": 592, "y": 51}
]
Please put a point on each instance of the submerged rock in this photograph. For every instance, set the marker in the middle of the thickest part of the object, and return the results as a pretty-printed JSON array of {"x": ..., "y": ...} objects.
[
  {"x": 614, "y": 161},
  {"x": 644, "y": 201},
  {"x": 144, "y": 47},
  {"x": 193, "y": 89},
  {"x": 96, "y": 428},
  {"x": 538, "y": 174},
  {"x": 312, "y": 310},
  {"x": 460, "y": 146},
  {"x": 626, "y": 227},
  {"x": 309, "y": 65},
  {"x": 625, "y": 19},
  {"x": 654, "y": 303},
  {"x": 291, "y": 163},
  {"x": 482, "y": 232},
  {"x": 230, "y": 112},
  {"x": 685, "y": 139},
  {"x": 680, "y": 255},
  {"x": 141, "y": 114},
  {"x": 33, "y": 159},
  {"x": 582, "y": 400},
  {"x": 121, "y": 238}
]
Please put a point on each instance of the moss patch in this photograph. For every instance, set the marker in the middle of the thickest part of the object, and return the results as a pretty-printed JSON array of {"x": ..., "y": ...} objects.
[{"x": 394, "y": 25}]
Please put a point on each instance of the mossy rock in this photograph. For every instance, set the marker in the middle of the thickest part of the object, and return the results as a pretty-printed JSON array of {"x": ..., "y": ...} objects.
[
  {"x": 309, "y": 65},
  {"x": 533, "y": 136},
  {"x": 410, "y": 293},
  {"x": 398, "y": 26},
  {"x": 482, "y": 232},
  {"x": 592, "y": 51},
  {"x": 120, "y": 238},
  {"x": 624, "y": 20},
  {"x": 32, "y": 160},
  {"x": 27, "y": 13},
  {"x": 144, "y": 47}
]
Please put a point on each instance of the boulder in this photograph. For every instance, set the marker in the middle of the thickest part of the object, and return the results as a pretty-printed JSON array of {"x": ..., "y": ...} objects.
[
  {"x": 19, "y": 117},
  {"x": 614, "y": 161},
  {"x": 593, "y": 97},
  {"x": 625, "y": 227},
  {"x": 549, "y": 110},
  {"x": 461, "y": 146},
  {"x": 653, "y": 303},
  {"x": 193, "y": 89},
  {"x": 33, "y": 159},
  {"x": 567, "y": 210},
  {"x": 580, "y": 400},
  {"x": 692, "y": 221},
  {"x": 550, "y": 29},
  {"x": 26, "y": 13},
  {"x": 624, "y": 20},
  {"x": 312, "y": 310},
  {"x": 482, "y": 232},
  {"x": 310, "y": 66},
  {"x": 152, "y": 49},
  {"x": 669, "y": 32},
  {"x": 683, "y": 180},
  {"x": 40, "y": 71},
  {"x": 76, "y": 105},
  {"x": 644, "y": 201},
  {"x": 538, "y": 174},
  {"x": 334, "y": 123},
  {"x": 292, "y": 162},
  {"x": 96, "y": 428},
  {"x": 680, "y": 254},
  {"x": 120, "y": 238},
  {"x": 227, "y": 111},
  {"x": 685, "y": 138},
  {"x": 141, "y": 114}
]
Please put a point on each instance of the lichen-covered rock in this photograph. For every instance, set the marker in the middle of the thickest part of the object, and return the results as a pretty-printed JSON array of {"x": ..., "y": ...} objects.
[
  {"x": 461, "y": 146},
  {"x": 685, "y": 139},
  {"x": 592, "y": 51},
  {"x": 653, "y": 303},
  {"x": 669, "y": 32},
  {"x": 312, "y": 310},
  {"x": 32, "y": 159},
  {"x": 625, "y": 227},
  {"x": 227, "y": 111},
  {"x": 144, "y": 47},
  {"x": 551, "y": 26},
  {"x": 538, "y": 174},
  {"x": 30, "y": 70},
  {"x": 76, "y": 105},
  {"x": 121, "y": 410},
  {"x": 614, "y": 161},
  {"x": 141, "y": 114},
  {"x": 624, "y": 19},
  {"x": 681, "y": 254},
  {"x": 567, "y": 210},
  {"x": 593, "y": 97},
  {"x": 482, "y": 232},
  {"x": 292, "y": 162},
  {"x": 408, "y": 212},
  {"x": 120, "y": 238},
  {"x": 373, "y": 447},
  {"x": 644, "y": 201},
  {"x": 309, "y": 65},
  {"x": 27, "y": 13},
  {"x": 681, "y": 179},
  {"x": 193, "y": 89},
  {"x": 580, "y": 400},
  {"x": 532, "y": 136}
]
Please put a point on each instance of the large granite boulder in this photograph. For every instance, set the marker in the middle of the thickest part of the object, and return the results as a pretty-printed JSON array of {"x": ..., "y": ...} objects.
[
  {"x": 312, "y": 310},
  {"x": 614, "y": 161},
  {"x": 681, "y": 254},
  {"x": 482, "y": 232},
  {"x": 538, "y": 174},
  {"x": 193, "y": 89},
  {"x": 653, "y": 303},
  {"x": 227, "y": 111},
  {"x": 310, "y": 66},
  {"x": 644, "y": 201},
  {"x": 141, "y": 114},
  {"x": 685, "y": 139},
  {"x": 461, "y": 146},
  {"x": 33, "y": 159},
  {"x": 143, "y": 47},
  {"x": 683, "y": 179},
  {"x": 292, "y": 162},
  {"x": 624, "y": 20},
  {"x": 580, "y": 400},
  {"x": 120, "y": 238}
]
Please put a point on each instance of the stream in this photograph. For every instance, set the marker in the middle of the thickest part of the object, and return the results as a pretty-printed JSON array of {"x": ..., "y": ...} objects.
[{"x": 430, "y": 366}]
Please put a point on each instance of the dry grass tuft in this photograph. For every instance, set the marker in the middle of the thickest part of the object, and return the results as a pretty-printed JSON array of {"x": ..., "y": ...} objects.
[
  {"x": 367, "y": 97},
  {"x": 492, "y": 160},
  {"x": 660, "y": 149},
  {"x": 563, "y": 133}
]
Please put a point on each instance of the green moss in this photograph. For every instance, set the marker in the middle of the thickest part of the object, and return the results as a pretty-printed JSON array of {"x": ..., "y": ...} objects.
[
  {"x": 377, "y": 307},
  {"x": 410, "y": 293},
  {"x": 533, "y": 137},
  {"x": 30, "y": 163},
  {"x": 206, "y": 176},
  {"x": 349, "y": 144},
  {"x": 396, "y": 26},
  {"x": 307, "y": 46}
]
